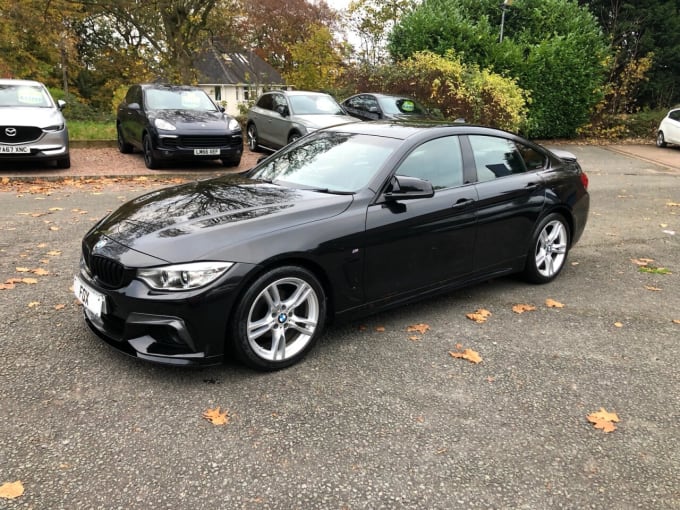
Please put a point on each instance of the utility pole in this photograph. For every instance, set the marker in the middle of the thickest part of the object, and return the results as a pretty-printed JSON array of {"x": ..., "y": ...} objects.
[{"x": 504, "y": 7}]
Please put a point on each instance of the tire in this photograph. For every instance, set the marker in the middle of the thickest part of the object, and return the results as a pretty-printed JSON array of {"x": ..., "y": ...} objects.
[
  {"x": 123, "y": 146},
  {"x": 64, "y": 163},
  {"x": 150, "y": 160},
  {"x": 548, "y": 249},
  {"x": 660, "y": 140},
  {"x": 278, "y": 319},
  {"x": 251, "y": 136},
  {"x": 293, "y": 136},
  {"x": 231, "y": 162}
]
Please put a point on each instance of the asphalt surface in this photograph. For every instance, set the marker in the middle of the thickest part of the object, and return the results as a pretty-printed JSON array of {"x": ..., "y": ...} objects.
[{"x": 372, "y": 418}]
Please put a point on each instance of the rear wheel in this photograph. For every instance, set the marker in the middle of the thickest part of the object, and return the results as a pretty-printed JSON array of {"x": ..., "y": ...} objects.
[
  {"x": 293, "y": 136},
  {"x": 660, "y": 140},
  {"x": 251, "y": 136},
  {"x": 279, "y": 318},
  {"x": 548, "y": 249},
  {"x": 149, "y": 159}
]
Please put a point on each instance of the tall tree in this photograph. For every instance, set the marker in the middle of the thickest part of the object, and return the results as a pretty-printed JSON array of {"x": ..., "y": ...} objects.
[{"x": 315, "y": 62}]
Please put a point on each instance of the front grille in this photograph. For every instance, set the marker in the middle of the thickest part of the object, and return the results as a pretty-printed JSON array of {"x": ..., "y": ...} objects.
[
  {"x": 107, "y": 271},
  {"x": 22, "y": 134},
  {"x": 204, "y": 142}
]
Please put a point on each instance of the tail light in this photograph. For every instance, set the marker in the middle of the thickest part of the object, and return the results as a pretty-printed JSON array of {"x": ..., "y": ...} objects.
[{"x": 584, "y": 180}]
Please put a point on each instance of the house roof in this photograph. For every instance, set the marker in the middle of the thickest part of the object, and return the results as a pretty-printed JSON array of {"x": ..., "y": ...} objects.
[{"x": 215, "y": 66}]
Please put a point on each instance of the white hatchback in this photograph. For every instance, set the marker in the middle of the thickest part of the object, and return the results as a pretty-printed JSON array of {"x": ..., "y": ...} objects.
[{"x": 669, "y": 129}]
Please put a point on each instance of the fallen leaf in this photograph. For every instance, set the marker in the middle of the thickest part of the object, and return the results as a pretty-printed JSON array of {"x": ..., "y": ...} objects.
[
  {"x": 22, "y": 270},
  {"x": 618, "y": 324},
  {"x": 419, "y": 328},
  {"x": 54, "y": 253},
  {"x": 479, "y": 316},
  {"x": 673, "y": 204},
  {"x": 56, "y": 209},
  {"x": 59, "y": 306},
  {"x": 7, "y": 286},
  {"x": 676, "y": 321},
  {"x": 551, "y": 303},
  {"x": 54, "y": 228},
  {"x": 11, "y": 490},
  {"x": 414, "y": 338},
  {"x": 40, "y": 271},
  {"x": 380, "y": 329},
  {"x": 216, "y": 417},
  {"x": 641, "y": 261},
  {"x": 468, "y": 354},
  {"x": 603, "y": 420},
  {"x": 33, "y": 304},
  {"x": 523, "y": 308},
  {"x": 29, "y": 281},
  {"x": 653, "y": 289}
]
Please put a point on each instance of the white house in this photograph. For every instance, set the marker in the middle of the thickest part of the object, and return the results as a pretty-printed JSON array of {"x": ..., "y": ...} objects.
[{"x": 235, "y": 78}]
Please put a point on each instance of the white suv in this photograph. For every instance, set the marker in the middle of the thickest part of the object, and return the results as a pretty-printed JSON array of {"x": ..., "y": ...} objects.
[{"x": 32, "y": 127}]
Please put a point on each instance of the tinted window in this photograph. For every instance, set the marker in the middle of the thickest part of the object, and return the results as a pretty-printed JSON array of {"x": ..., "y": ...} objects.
[
  {"x": 438, "y": 161},
  {"x": 533, "y": 160},
  {"x": 266, "y": 102},
  {"x": 314, "y": 105},
  {"x": 495, "y": 157},
  {"x": 675, "y": 115}
]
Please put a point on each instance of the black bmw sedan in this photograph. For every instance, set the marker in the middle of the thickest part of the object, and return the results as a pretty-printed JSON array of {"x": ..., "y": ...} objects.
[{"x": 344, "y": 222}]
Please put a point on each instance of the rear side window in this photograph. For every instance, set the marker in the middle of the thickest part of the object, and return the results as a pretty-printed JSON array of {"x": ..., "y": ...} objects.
[
  {"x": 674, "y": 115},
  {"x": 266, "y": 102},
  {"x": 499, "y": 157}
]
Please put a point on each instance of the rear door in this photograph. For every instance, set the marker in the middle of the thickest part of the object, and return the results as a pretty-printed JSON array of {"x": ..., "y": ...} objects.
[
  {"x": 418, "y": 244},
  {"x": 511, "y": 197}
]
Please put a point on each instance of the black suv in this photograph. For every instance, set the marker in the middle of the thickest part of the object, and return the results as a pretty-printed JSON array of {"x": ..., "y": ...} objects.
[{"x": 176, "y": 122}]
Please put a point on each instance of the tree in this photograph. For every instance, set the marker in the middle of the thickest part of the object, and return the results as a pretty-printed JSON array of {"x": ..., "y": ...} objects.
[
  {"x": 554, "y": 48},
  {"x": 315, "y": 62}
]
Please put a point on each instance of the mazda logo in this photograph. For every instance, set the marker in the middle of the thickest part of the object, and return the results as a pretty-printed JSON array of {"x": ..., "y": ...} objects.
[{"x": 11, "y": 131}]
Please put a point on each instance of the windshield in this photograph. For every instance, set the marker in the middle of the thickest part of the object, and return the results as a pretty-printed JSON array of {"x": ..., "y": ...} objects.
[
  {"x": 329, "y": 161},
  {"x": 401, "y": 106},
  {"x": 24, "y": 95},
  {"x": 178, "y": 100},
  {"x": 314, "y": 105}
]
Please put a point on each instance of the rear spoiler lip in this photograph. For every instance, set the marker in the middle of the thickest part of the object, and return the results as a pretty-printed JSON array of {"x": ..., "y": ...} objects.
[{"x": 564, "y": 155}]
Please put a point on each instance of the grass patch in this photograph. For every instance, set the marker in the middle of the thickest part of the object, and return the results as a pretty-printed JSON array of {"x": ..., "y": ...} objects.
[{"x": 91, "y": 130}]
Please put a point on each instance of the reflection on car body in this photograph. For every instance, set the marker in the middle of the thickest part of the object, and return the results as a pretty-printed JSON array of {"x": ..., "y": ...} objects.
[{"x": 345, "y": 222}]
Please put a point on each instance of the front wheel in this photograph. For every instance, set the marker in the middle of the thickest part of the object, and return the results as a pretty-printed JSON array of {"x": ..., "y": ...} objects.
[
  {"x": 150, "y": 160},
  {"x": 123, "y": 146},
  {"x": 293, "y": 136},
  {"x": 548, "y": 249},
  {"x": 251, "y": 137},
  {"x": 660, "y": 140},
  {"x": 279, "y": 318}
]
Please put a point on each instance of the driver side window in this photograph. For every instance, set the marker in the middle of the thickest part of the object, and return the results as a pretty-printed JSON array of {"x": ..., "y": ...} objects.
[{"x": 438, "y": 161}]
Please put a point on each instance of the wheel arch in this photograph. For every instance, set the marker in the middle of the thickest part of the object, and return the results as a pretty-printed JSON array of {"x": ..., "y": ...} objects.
[{"x": 563, "y": 211}]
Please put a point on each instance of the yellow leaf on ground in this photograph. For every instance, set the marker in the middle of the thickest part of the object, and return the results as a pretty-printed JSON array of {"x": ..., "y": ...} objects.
[
  {"x": 479, "y": 316},
  {"x": 22, "y": 270},
  {"x": 468, "y": 354},
  {"x": 603, "y": 420},
  {"x": 40, "y": 271},
  {"x": 6, "y": 286},
  {"x": 380, "y": 329},
  {"x": 523, "y": 308},
  {"x": 59, "y": 306},
  {"x": 419, "y": 328},
  {"x": 29, "y": 281},
  {"x": 54, "y": 253},
  {"x": 216, "y": 417},
  {"x": 414, "y": 338},
  {"x": 673, "y": 204},
  {"x": 618, "y": 324},
  {"x": 551, "y": 303},
  {"x": 676, "y": 321},
  {"x": 653, "y": 289},
  {"x": 33, "y": 304},
  {"x": 641, "y": 261},
  {"x": 11, "y": 490}
]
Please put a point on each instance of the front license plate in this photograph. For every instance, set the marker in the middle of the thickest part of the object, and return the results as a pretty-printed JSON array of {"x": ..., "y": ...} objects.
[
  {"x": 206, "y": 152},
  {"x": 90, "y": 298},
  {"x": 13, "y": 149}
]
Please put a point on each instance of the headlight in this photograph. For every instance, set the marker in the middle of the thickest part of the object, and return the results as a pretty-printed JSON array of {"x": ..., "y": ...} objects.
[
  {"x": 183, "y": 276},
  {"x": 234, "y": 125},
  {"x": 164, "y": 124},
  {"x": 56, "y": 127}
]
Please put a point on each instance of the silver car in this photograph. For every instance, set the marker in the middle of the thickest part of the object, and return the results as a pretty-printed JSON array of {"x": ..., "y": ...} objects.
[
  {"x": 32, "y": 127},
  {"x": 669, "y": 129},
  {"x": 281, "y": 117}
]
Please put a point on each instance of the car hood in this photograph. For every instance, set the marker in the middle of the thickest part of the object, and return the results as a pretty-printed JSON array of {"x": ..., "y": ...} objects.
[
  {"x": 211, "y": 219},
  {"x": 322, "y": 121},
  {"x": 193, "y": 120},
  {"x": 33, "y": 116}
]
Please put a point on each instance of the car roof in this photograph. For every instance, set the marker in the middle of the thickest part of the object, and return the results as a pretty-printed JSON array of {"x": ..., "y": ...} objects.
[
  {"x": 405, "y": 129},
  {"x": 167, "y": 86},
  {"x": 8, "y": 81},
  {"x": 298, "y": 92}
]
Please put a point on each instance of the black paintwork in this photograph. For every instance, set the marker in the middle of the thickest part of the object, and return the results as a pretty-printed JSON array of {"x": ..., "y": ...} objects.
[
  {"x": 195, "y": 129},
  {"x": 369, "y": 252}
]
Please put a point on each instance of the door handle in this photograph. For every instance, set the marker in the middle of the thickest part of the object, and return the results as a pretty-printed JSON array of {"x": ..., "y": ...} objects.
[
  {"x": 532, "y": 186},
  {"x": 463, "y": 203}
]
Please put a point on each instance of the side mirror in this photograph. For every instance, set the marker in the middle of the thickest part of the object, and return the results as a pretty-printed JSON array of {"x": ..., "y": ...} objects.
[
  {"x": 61, "y": 104},
  {"x": 134, "y": 106},
  {"x": 408, "y": 188},
  {"x": 283, "y": 110}
]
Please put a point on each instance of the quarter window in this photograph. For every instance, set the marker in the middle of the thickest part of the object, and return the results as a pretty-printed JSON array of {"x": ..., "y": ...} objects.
[{"x": 496, "y": 157}]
